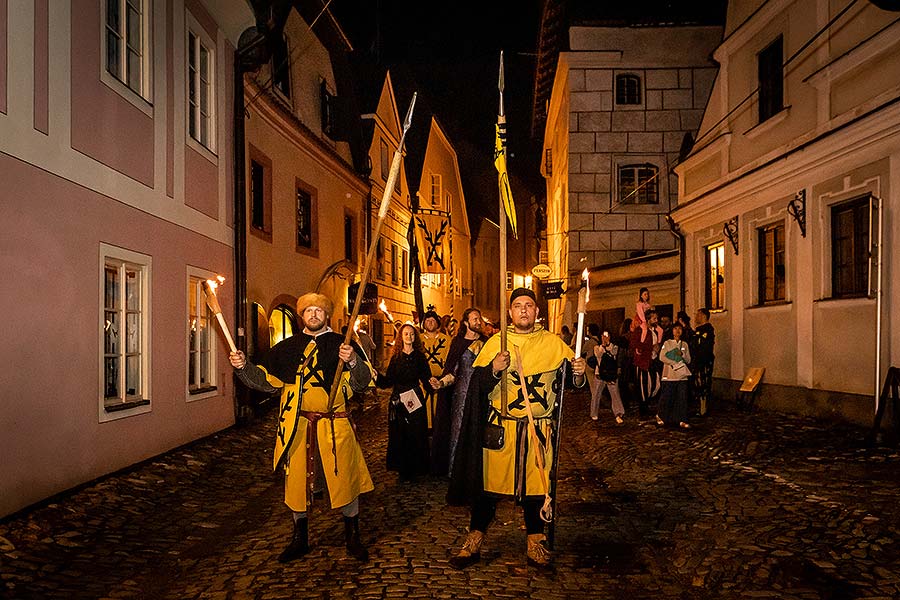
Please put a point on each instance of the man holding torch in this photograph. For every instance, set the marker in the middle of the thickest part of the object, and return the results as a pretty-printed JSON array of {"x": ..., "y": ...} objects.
[
  {"x": 505, "y": 447},
  {"x": 314, "y": 436}
]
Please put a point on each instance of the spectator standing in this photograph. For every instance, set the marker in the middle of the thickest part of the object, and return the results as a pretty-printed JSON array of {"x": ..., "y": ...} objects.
[
  {"x": 566, "y": 334},
  {"x": 645, "y": 353},
  {"x": 675, "y": 356},
  {"x": 607, "y": 375},
  {"x": 703, "y": 351}
]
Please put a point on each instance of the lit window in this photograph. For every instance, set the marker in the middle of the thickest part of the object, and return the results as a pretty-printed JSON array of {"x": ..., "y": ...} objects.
[
  {"x": 123, "y": 328},
  {"x": 127, "y": 38},
  {"x": 771, "y": 80},
  {"x": 628, "y": 89},
  {"x": 715, "y": 276},
  {"x": 850, "y": 248},
  {"x": 771, "y": 263},
  {"x": 282, "y": 324},
  {"x": 639, "y": 184},
  {"x": 201, "y": 340},
  {"x": 201, "y": 94}
]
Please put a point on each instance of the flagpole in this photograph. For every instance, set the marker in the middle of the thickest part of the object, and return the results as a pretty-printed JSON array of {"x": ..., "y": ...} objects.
[
  {"x": 502, "y": 221},
  {"x": 382, "y": 213}
]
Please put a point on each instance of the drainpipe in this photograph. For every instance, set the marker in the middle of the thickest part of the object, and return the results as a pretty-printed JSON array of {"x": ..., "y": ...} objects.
[
  {"x": 682, "y": 259},
  {"x": 876, "y": 216},
  {"x": 242, "y": 395}
]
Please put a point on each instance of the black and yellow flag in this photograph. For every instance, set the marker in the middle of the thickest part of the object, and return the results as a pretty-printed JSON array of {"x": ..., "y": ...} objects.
[{"x": 502, "y": 175}]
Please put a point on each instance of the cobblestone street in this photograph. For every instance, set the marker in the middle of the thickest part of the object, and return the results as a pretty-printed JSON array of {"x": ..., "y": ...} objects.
[{"x": 758, "y": 506}]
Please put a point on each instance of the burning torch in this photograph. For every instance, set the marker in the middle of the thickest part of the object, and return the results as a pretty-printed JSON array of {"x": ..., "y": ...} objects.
[{"x": 212, "y": 301}]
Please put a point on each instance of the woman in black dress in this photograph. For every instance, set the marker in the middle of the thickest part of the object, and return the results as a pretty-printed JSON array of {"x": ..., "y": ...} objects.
[{"x": 408, "y": 372}]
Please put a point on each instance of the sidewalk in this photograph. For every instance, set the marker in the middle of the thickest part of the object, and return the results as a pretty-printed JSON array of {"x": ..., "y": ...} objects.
[{"x": 740, "y": 506}]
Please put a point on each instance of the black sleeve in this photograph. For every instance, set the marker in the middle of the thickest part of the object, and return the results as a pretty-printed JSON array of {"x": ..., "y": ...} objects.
[{"x": 254, "y": 378}]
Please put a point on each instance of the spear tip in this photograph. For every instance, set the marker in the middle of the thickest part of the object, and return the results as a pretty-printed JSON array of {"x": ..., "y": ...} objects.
[{"x": 409, "y": 113}]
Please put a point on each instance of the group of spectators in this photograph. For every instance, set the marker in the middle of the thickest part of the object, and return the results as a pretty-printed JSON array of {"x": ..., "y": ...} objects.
[{"x": 662, "y": 366}]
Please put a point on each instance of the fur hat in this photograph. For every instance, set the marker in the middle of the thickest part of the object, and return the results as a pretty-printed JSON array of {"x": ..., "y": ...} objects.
[{"x": 313, "y": 299}]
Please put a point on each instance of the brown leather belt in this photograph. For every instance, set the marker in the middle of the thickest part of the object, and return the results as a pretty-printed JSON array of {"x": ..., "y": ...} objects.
[{"x": 312, "y": 444}]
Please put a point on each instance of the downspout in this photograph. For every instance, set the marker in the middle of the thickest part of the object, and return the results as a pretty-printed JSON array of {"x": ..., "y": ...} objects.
[
  {"x": 877, "y": 215},
  {"x": 242, "y": 396},
  {"x": 682, "y": 259}
]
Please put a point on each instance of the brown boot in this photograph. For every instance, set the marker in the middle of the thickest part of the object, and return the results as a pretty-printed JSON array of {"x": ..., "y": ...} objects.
[
  {"x": 537, "y": 552},
  {"x": 351, "y": 537},
  {"x": 470, "y": 553}
]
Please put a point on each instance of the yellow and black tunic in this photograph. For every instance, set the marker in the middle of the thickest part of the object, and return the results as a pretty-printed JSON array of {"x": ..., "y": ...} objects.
[
  {"x": 437, "y": 345},
  {"x": 303, "y": 368}
]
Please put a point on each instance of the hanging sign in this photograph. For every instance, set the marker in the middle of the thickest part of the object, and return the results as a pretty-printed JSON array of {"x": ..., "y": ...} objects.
[
  {"x": 553, "y": 290},
  {"x": 369, "y": 301},
  {"x": 541, "y": 271}
]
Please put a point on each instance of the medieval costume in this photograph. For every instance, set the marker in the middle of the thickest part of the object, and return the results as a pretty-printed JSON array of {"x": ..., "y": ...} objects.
[
  {"x": 309, "y": 438},
  {"x": 480, "y": 476},
  {"x": 437, "y": 345},
  {"x": 702, "y": 347},
  {"x": 407, "y": 451}
]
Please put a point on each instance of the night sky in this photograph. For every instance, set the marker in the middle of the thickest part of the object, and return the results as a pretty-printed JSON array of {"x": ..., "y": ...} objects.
[{"x": 453, "y": 50}]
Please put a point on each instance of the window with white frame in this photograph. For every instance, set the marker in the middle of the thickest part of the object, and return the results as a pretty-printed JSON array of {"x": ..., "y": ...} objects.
[
  {"x": 850, "y": 249},
  {"x": 201, "y": 337},
  {"x": 201, "y": 88},
  {"x": 124, "y": 324},
  {"x": 715, "y": 277},
  {"x": 771, "y": 271},
  {"x": 127, "y": 41}
]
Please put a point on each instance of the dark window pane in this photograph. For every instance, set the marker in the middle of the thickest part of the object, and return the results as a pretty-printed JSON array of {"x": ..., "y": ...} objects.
[
  {"x": 257, "y": 197},
  {"x": 850, "y": 248},
  {"x": 304, "y": 219},
  {"x": 771, "y": 78}
]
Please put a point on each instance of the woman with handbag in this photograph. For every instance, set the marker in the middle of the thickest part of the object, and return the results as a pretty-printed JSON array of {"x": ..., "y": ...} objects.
[
  {"x": 675, "y": 356},
  {"x": 408, "y": 373}
]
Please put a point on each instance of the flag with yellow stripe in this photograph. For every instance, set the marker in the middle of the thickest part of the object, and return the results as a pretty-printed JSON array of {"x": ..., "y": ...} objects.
[{"x": 502, "y": 175}]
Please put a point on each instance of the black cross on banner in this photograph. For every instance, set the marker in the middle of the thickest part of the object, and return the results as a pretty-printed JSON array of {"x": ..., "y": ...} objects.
[{"x": 432, "y": 236}]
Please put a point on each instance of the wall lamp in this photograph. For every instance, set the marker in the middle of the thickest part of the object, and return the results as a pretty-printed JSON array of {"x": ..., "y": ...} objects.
[
  {"x": 797, "y": 209},
  {"x": 731, "y": 232}
]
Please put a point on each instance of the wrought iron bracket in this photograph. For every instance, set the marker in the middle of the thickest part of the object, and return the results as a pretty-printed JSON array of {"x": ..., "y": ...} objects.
[
  {"x": 797, "y": 209},
  {"x": 731, "y": 232}
]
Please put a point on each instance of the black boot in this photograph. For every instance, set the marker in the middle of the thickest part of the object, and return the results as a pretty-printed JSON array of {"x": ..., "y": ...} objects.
[
  {"x": 351, "y": 536},
  {"x": 299, "y": 545}
]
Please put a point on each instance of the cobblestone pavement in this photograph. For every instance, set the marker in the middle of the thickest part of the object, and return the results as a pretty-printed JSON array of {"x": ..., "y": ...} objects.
[{"x": 759, "y": 506}]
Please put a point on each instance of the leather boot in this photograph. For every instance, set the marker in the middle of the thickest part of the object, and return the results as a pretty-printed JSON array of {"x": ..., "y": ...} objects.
[
  {"x": 299, "y": 542},
  {"x": 537, "y": 552},
  {"x": 351, "y": 536},
  {"x": 470, "y": 553}
]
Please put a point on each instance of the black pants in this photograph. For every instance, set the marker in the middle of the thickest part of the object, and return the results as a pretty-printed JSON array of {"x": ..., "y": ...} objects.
[{"x": 486, "y": 506}]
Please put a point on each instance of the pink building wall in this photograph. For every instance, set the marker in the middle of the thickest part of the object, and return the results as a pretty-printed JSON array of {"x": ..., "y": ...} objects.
[{"x": 103, "y": 122}]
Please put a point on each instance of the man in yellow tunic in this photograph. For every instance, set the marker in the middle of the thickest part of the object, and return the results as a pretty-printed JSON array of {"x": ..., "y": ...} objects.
[
  {"x": 483, "y": 472},
  {"x": 437, "y": 344},
  {"x": 310, "y": 440}
]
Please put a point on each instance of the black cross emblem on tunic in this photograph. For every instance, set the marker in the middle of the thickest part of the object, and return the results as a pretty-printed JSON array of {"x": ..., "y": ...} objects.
[
  {"x": 432, "y": 354},
  {"x": 316, "y": 371},
  {"x": 534, "y": 386},
  {"x": 288, "y": 407}
]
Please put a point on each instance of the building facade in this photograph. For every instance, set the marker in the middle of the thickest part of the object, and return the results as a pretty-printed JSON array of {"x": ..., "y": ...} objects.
[
  {"x": 623, "y": 101},
  {"x": 788, "y": 203},
  {"x": 116, "y": 151},
  {"x": 305, "y": 200}
]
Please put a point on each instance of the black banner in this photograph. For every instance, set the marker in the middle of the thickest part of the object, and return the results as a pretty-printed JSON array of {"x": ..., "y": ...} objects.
[
  {"x": 553, "y": 290},
  {"x": 369, "y": 301}
]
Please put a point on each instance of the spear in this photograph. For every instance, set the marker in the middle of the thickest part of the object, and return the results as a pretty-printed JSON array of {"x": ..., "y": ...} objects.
[
  {"x": 370, "y": 257},
  {"x": 502, "y": 218}
]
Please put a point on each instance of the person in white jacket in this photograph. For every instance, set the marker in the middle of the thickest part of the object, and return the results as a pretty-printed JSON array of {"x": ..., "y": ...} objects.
[{"x": 673, "y": 403}]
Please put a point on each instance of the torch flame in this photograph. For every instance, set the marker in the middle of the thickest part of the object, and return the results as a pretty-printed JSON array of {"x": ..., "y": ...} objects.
[
  {"x": 586, "y": 275},
  {"x": 212, "y": 284},
  {"x": 384, "y": 309}
]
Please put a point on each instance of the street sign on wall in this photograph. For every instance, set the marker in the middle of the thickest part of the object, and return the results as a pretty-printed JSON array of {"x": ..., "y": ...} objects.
[
  {"x": 541, "y": 271},
  {"x": 369, "y": 301},
  {"x": 553, "y": 290}
]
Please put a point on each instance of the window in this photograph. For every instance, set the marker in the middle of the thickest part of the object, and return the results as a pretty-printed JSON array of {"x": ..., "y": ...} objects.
[
  {"x": 281, "y": 68},
  {"x": 404, "y": 268},
  {"x": 124, "y": 323},
  {"x": 715, "y": 276},
  {"x": 127, "y": 35},
  {"x": 201, "y": 341},
  {"x": 201, "y": 95},
  {"x": 328, "y": 107},
  {"x": 509, "y": 281},
  {"x": 771, "y": 80},
  {"x": 638, "y": 184},
  {"x": 385, "y": 160},
  {"x": 395, "y": 264},
  {"x": 260, "y": 179},
  {"x": 435, "y": 189},
  {"x": 307, "y": 223},
  {"x": 628, "y": 89},
  {"x": 771, "y": 263},
  {"x": 379, "y": 259},
  {"x": 850, "y": 248},
  {"x": 349, "y": 238},
  {"x": 282, "y": 324}
]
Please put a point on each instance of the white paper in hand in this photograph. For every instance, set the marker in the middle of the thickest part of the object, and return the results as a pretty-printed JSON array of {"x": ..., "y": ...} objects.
[{"x": 410, "y": 400}]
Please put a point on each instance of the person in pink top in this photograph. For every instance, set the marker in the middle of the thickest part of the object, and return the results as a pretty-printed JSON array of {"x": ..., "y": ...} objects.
[{"x": 641, "y": 309}]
